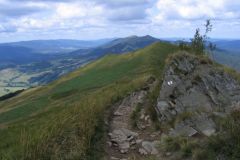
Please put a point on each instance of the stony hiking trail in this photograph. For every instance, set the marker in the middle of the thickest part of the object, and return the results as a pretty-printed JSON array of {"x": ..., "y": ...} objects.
[{"x": 124, "y": 141}]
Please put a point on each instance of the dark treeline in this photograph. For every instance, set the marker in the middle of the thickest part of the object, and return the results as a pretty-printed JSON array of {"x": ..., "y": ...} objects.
[{"x": 10, "y": 95}]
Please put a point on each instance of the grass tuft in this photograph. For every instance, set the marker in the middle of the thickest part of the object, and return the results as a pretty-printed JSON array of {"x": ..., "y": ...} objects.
[{"x": 63, "y": 120}]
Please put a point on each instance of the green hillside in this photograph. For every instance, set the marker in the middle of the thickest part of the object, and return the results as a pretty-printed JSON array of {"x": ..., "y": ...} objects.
[{"x": 63, "y": 120}]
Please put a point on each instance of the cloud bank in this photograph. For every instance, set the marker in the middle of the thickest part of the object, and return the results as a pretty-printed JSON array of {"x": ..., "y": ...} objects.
[{"x": 84, "y": 19}]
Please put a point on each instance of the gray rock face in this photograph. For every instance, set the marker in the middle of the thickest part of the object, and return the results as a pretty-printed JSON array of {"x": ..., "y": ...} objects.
[
  {"x": 195, "y": 86},
  {"x": 204, "y": 124},
  {"x": 182, "y": 129}
]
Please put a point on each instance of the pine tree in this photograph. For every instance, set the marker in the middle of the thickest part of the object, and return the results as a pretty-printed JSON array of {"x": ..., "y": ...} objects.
[
  {"x": 200, "y": 44},
  {"x": 197, "y": 43}
]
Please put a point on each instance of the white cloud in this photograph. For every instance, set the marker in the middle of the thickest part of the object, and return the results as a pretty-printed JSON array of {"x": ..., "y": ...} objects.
[
  {"x": 122, "y": 3},
  {"x": 73, "y": 10},
  {"x": 2, "y": 1},
  {"x": 111, "y": 18},
  {"x": 194, "y": 9}
]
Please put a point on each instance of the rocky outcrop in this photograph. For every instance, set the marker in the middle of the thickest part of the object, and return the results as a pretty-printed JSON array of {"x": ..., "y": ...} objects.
[{"x": 193, "y": 90}]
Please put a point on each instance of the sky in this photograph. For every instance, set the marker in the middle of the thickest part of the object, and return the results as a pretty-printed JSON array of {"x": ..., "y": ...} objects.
[{"x": 97, "y": 19}]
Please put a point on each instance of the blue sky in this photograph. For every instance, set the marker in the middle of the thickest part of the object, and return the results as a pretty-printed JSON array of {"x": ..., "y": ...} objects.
[{"x": 96, "y": 19}]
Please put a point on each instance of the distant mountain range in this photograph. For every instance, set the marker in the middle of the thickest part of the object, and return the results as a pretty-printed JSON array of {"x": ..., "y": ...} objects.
[
  {"x": 229, "y": 45},
  {"x": 57, "y": 46},
  {"x": 16, "y": 55},
  {"x": 25, "y": 65},
  {"x": 24, "y": 52},
  {"x": 228, "y": 53},
  {"x": 120, "y": 45}
]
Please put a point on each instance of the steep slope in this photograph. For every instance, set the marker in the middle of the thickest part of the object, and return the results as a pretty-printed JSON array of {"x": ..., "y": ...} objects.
[{"x": 64, "y": 119}]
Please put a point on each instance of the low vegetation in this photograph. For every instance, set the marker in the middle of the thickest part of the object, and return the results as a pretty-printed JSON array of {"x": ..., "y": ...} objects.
[
  {"x": 184, "y": 146},
  {"x": 63, "y": 120},
  {"x": 151, "y": 103},
  {"x": 226, "y": 144},
  {"x": 136, "y": 115}
]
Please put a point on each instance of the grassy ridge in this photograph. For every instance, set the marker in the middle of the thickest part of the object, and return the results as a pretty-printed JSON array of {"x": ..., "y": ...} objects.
[{"x": 58, "y": 121}]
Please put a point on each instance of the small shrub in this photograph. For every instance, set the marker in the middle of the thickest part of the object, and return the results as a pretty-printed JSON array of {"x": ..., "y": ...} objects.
[
  {"x": 171, "y": 144},
  {"x": 183, "y": 145},
  {"x": 187, "y": 146},
  {"x": 186, "y": 151},
  {"x": 184, "y": 46}
]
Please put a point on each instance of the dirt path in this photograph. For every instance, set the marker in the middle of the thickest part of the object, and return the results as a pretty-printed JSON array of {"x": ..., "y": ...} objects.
[{"x": 125, "y": 141}]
